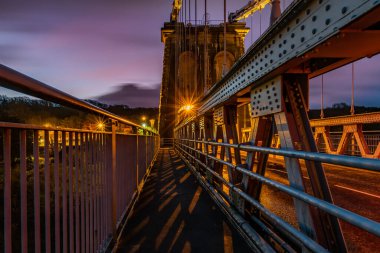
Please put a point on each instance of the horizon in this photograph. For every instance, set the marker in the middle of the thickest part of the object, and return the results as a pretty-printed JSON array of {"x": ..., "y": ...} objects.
[{"x": 90, "y": 100}]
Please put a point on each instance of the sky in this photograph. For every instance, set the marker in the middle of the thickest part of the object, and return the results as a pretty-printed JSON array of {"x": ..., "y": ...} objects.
[{"x": 111, "y": 50}]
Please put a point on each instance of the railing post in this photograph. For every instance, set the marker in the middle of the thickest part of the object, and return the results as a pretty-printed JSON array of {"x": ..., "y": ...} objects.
[
  {"x": 114, "y": 176},
  {"x": 137, "y": 163},
  {"x": 7, "y": 191}
]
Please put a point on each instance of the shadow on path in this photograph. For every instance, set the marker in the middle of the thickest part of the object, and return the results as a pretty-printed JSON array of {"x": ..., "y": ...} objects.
[{"x": 174, "y": 214}]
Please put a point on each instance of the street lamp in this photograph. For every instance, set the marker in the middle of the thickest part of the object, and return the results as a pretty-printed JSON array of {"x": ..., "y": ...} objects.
[
  {"x": 188, "y": 107},
  {"x": 100, "y": 126}
]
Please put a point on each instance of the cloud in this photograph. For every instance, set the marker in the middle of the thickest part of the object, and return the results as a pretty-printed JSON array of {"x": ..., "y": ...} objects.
[
  {"x": 81, "y": 47},
  {"x": 7, "y": 53},
  {"x": 132, "y": 95}
]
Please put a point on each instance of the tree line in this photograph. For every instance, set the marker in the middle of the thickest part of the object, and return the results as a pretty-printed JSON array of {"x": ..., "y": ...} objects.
[{"x": 40, "y": 112}]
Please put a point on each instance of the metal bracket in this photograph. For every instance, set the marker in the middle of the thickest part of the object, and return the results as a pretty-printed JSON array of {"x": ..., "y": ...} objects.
[{"x": 266, "y": 99}]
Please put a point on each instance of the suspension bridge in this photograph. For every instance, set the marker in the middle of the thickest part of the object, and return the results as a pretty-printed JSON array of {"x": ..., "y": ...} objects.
[{"x": 236, "y": 165}]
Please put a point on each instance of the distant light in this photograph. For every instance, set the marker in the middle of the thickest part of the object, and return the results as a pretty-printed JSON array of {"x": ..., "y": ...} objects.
[
  {"x": 100, "y": 126},
  {"x": 188, "y": 107},
  {"x": 143, "y": 125},
  {"x": 143, "y": 118}
]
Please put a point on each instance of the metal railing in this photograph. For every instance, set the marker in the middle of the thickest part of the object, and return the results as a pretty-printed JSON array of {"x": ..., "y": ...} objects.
[
  {"x": 67, "y": 190},
  {"x": 197, "y": 155},
  {"x": 372, "y": 139},
  {"x": 17, "y": 81}
]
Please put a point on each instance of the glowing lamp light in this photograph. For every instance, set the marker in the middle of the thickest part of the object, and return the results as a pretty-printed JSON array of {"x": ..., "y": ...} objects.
[
  {"x": 143, "y": 118},
  {"x": 188, "y": 107},
  {"x": 143, "y": 125},
  {"x": 100, "y": 126}
]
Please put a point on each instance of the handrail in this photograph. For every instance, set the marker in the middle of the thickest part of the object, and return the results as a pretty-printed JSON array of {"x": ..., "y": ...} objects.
[
  {"x": 17, "y": 81},
  {"x": 341, "y": 213},
  {"x": 109, "y": 168},
  {"x": 349, "y": 161},
  {"x": 299, "y": 235},
  {"x": 353, "y": 218}
]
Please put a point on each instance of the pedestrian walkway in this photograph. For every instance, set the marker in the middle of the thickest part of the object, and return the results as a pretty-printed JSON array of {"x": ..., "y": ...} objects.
[{"x": 174, "y": 214}]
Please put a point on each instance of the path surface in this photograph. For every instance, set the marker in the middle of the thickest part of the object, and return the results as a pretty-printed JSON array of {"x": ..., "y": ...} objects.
[{"x": 174, "y": 214}]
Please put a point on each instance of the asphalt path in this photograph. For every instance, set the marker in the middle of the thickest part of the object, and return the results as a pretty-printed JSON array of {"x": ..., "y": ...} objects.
[{"x": 174, "y": 214}]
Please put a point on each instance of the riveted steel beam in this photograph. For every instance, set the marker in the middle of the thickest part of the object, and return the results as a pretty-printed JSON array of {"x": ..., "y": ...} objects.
[{"x": 303, "y": 27}]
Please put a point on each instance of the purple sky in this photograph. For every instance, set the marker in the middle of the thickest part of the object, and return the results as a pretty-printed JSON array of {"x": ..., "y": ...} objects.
[{"x": 93, "y": 48}]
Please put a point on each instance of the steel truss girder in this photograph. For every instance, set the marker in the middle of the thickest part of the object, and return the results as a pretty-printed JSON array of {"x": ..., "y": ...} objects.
[
  {"x": 327, "y": 227},
  {"x": 295, "y": 133},
  {"x": 293, "y": 125},
  {"x": 365, "y": 118},
  {"x": 304, "y": 26}
]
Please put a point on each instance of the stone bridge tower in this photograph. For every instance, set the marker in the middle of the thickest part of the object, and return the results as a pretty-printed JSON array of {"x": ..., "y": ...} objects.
[{"x": 193, "y": 62}]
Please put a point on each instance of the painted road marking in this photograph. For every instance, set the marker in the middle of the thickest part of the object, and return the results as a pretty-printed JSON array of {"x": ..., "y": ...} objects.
[{"x": 354, "y": 190}]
